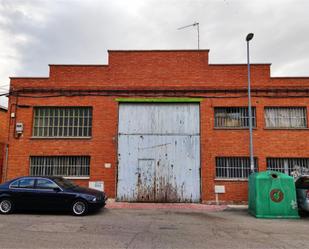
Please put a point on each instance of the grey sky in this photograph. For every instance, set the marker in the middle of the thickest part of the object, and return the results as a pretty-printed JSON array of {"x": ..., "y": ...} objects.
[{"x": 35, "y": 33}]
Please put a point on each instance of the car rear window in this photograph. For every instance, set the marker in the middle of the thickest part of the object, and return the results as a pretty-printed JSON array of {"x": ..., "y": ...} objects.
[
  {"x": 14, "y": 184},
  {"x": 23, "y": 183}
]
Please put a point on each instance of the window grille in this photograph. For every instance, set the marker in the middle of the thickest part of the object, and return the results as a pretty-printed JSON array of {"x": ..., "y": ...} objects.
[
  {"x": 286, "y": 117},
  {"x": 288, "y": 165},
  {"x": 62, "y": 122},
  {"x": 233, "y": 117},
  {"x": 234, "y": 167},
  {"x": 74, "y": 166}
]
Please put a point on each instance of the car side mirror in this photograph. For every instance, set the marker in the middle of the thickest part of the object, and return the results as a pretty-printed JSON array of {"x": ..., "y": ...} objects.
[{"x": 57, "y": 189}]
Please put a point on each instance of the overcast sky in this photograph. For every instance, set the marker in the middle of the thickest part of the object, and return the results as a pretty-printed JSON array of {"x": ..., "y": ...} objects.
[{"x": 35, "y": 33}]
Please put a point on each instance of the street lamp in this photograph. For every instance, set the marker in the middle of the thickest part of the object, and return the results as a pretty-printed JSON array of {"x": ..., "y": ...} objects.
[{"x": 249, "y": 38}]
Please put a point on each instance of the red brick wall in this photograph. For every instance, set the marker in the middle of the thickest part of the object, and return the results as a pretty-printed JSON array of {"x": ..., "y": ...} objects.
[
  {"x": 158, "y": 70},
  {"x": 267, "y": 143},
  {"x": 101, "y": 147},
  {"x": 3, "y": 126},
  {"x": 3, "y": 138}
]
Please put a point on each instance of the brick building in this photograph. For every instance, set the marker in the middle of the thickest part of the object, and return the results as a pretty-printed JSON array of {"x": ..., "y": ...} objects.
[
  {"x": 3, "y": 136},
  {"x": 157, "y": 125}
]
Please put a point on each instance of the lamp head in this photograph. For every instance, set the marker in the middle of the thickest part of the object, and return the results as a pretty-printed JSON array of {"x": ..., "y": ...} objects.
[{"x": 249, "y": 37}]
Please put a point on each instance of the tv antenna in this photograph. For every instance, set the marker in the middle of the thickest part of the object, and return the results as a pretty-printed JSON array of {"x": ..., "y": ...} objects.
[{"x": 198, "y": 31}]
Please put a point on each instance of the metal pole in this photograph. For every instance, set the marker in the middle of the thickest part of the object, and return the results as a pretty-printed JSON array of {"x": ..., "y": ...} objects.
[
  {"x": 198, "y": 36},
  {"x": 250, "y": 110},
  {"x": 198, "y": 32}
]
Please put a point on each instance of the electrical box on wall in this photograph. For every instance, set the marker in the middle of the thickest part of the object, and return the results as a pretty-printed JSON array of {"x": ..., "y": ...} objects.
[
  {"x": 219, "y": 189},
  {"x": 97, "y": 185},
  {"x": 19, "y": 128},
  {"x": 107, "y": 165}
]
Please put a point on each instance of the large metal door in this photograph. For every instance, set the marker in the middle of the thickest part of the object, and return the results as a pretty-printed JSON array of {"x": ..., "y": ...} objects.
[{"x": 159, "y": 152}]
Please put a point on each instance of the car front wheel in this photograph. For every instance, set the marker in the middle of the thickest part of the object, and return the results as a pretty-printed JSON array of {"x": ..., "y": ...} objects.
[
  {"x": 6, "y": 206},
  {"x": 79, "y": 208}
]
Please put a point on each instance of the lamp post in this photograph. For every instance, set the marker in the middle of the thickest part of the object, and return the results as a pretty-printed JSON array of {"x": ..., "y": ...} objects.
[{"x": 249, "y": 38}]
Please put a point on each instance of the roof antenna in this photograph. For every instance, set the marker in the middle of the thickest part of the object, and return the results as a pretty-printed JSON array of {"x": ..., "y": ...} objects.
[{"x": 198, "y": 32}]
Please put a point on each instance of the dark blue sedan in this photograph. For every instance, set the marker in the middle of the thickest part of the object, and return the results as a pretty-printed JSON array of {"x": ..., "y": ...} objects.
[{"x": 48, "y": 193}]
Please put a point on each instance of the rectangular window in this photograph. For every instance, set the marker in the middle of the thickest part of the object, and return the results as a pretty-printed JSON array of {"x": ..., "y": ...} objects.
[
  {"x": 233, "y": 167},
  {"x": 285, "y": 117},
  {"x": 62, "y": 122},
  {"x": 69, "y": 166},
  {"x": 288, "y": 165},
  {"x": 233, "y": 117}
]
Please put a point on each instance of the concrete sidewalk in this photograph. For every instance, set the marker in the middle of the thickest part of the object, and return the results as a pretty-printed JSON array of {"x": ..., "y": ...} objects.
[{"x": 112, "y": 204}]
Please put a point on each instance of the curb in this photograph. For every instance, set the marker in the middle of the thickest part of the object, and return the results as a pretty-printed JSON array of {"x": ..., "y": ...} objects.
[
  {"x": 111, "y": 204},
  {"x": 238, "y": 207}
]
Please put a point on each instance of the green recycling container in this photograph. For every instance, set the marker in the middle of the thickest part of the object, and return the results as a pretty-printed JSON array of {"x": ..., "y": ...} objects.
[{"x": 272, "y": 195}]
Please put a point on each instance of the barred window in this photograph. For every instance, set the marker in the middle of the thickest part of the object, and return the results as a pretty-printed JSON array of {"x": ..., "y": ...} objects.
[
  {"x": 233, "y": 117},
  {"x": 69, "y": 166},
  {"x": 288, "y": 165},
  {"x": 234, "y": 167},
  {"x": 62, "y": 122},
  {"x": 286, "y": 117}
]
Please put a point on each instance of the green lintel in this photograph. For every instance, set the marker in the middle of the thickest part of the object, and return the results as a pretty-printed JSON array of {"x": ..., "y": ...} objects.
[{"x": 158, "y": 100}]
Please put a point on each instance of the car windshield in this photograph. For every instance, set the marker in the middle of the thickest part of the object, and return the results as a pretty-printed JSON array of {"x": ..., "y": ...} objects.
[{"x": 64, "y": 183}]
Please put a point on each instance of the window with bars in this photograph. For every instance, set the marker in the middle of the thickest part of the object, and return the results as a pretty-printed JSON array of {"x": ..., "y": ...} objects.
[
  {"x": 234, "y": 167},
  {"x": 62, "y": 122},
  {"x": 288, "y": 165},
  {"x": 233, "y": 117},
  {"x": 285, "y": 117},
  {"x": 68, "y": 166}
]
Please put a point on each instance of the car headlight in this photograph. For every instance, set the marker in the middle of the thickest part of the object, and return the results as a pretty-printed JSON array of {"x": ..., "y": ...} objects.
[{"x": 91, "y": 198}]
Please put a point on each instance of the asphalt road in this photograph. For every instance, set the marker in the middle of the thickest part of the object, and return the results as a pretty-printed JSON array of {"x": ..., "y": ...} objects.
[{"x": 151, "y": 228}]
